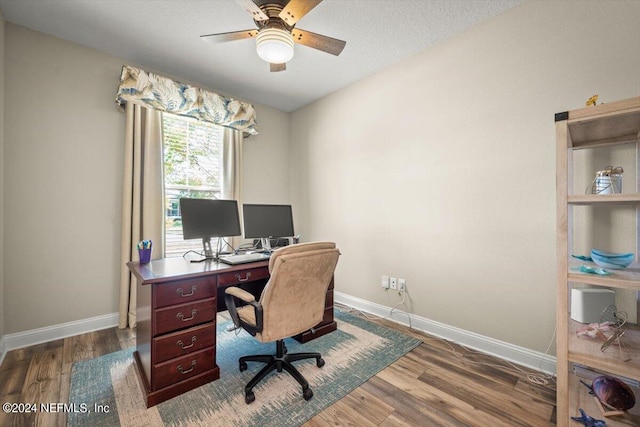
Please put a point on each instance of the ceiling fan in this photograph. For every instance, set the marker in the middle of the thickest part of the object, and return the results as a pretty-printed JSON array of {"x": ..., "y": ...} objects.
[{"x": 276, "y": 33}]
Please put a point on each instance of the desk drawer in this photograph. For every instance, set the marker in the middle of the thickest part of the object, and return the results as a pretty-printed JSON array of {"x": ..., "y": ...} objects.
[
  {"x": 184, "y": 315},
  {"x": 184, "y": 342},
  {"x": 176, "y": 370},
  {"x": 239, "y": 277},
  {"x": 184, "y": 291}
]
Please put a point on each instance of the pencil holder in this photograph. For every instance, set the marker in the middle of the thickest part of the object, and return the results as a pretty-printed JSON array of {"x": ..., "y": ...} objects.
[{"x": 144, "y": 251}]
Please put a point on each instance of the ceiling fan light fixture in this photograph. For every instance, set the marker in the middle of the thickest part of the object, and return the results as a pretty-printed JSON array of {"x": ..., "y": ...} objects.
[{"x": 274, "y": 45}]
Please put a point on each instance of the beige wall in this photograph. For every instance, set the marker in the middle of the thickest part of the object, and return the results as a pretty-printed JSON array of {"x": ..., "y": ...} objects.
[
  {"x": 63, "y": 181},
  {"x": 266, "y": 159},
  {"x": 2, "y": 73},
  {"x": 63, "y": 165},
  {"x": 441, "y": 169}
]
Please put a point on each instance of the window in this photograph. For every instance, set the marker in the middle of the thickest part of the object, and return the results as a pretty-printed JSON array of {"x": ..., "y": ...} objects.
[{"x": 192, "y": 168}]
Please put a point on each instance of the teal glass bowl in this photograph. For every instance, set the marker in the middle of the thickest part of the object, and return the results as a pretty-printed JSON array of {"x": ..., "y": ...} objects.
[{"x": 611, "y": 260}]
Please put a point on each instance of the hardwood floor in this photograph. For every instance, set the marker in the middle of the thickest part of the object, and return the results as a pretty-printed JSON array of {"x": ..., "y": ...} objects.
[{"x": 430, "y": 386}]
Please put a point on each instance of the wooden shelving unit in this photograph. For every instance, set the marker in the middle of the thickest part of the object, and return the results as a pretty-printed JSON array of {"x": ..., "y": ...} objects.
[{"x": 586, "y": 128}]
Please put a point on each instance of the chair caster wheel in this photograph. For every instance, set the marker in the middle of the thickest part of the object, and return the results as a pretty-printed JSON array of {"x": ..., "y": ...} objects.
[
  {"x": 320, "y": 362},
  {"x": 307, "y": 394},
  {"x": 243, "y": 366},
  {"x": 249, "y": 397}
]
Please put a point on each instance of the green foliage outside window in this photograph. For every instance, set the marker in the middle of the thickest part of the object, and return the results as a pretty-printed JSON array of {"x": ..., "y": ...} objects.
[{"x": 192, "y": 168}]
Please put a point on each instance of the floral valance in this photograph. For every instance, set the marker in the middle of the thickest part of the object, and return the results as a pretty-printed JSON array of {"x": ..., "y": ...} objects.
[{"x": 163, "y": 94}]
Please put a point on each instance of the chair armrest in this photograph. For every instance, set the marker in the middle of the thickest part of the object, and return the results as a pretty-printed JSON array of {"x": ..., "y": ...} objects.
[
  {"x": 240, "y": 294},
  {"x": 229, "y": 299}
]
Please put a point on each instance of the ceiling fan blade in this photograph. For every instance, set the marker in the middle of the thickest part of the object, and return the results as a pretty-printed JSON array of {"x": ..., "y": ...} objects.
[
  {"x": 277, "y": 67},
  {"x": 318, "y": 41},
  {"x": 296, "y": 9},
  {"x": 229, "y": 37},
  {"x": 256, "y": 13}
]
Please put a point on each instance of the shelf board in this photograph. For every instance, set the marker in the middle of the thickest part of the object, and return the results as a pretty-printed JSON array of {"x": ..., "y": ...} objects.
[
  {"x": 600, "y": 199},
  {"x": 624, "y": 280},
  {"x": 605, "y": 124},
  {"x": 586, "y": 351},
  {"x": 629, "y": 278},
  {"x": 579, "y": 397}
]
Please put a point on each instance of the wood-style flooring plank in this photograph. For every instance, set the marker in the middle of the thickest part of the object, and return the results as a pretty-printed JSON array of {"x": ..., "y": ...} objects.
[
  {"x": 358, "y": 408},
  {"x": 409, "y": 408},
  {"x": 340, "y": 414},
  {"x": 498, "y": 405},
  {"x": 126, "y": 338},
  {"x": 42, "y": 386},
  {"x": 411, "y": 365},
  {"x": 535, "y": 391},
  {"x": 457, "y": 406},
  {"x": 11, "y": 383}
]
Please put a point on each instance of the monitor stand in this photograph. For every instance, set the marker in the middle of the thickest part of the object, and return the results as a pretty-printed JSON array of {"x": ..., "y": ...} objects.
[
  {"x": 208, "y": 252},
  {"x": 206, "y": 244},
  {"x": 266, "y": 244}
]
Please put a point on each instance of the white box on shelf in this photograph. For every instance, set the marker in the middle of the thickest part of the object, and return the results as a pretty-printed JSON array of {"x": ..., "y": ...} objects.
[{"x": 588, "y": 304}]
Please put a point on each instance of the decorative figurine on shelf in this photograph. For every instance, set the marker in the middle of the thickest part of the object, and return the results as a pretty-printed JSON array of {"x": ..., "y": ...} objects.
[
  {"x": 592, "y": 101},
  {"x": 607, "y": 181},
  {"x": 611, "y": 321},
  {"x": 616, "y": 338},
  {"x": 618, "y": 319},
  {"x": 588, "y": 421},
  {"x": 610, "y": 392},
  {"x": 595, "y": 330}
]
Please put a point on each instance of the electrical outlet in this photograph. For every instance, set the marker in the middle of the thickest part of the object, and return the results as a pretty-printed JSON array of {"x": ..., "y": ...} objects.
[
  {"x": 385, "y": 282},
  {"x": 393, "y": 283},
  {"x": 402, "y": 285}
]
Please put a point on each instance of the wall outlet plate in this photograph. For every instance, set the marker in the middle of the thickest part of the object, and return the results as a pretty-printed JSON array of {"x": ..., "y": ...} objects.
[
  {"x": 385, "y": 282},
  {"x": 393, "y": 283},
  {"x": 402, "y": 285}
]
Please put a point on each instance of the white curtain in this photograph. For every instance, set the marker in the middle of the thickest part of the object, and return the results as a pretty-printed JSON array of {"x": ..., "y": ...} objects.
[
  {"x": 142, "y": 199},
  {"x": 231, "y": 183}
]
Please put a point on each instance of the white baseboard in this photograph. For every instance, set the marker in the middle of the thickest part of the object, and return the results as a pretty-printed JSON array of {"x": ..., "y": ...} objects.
[
  {"x": 503, "y": 350},
  {"x": 50, "y": 333}
]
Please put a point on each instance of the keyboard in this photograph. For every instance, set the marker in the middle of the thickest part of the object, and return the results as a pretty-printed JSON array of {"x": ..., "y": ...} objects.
[{"x": 244, "y": 258}]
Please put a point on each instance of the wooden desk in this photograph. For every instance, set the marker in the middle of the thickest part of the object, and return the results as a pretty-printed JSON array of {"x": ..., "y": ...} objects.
[{"x": 177, "y": 303}]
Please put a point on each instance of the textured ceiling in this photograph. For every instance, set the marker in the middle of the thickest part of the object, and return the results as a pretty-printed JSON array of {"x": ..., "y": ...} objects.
[{"x": 164, "y": 35}]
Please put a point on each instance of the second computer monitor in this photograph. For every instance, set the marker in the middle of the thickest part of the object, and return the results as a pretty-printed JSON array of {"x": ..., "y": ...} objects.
[{"x": 267, "y": 221}]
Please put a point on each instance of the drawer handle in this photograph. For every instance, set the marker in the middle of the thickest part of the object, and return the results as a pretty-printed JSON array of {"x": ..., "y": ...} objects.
[
  {"x": 183, "y": 372},
  {"x": 245, "y": 279},
  {"x": 186, "y": 319},
  {"x": 180, "y": 291},
  {"x": 184, "y": 347}
]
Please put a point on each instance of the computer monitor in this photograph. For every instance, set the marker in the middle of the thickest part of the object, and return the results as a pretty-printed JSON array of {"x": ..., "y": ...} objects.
[
  {"x": 267, "y": 221},
  {"x": 206, "y": 218}
]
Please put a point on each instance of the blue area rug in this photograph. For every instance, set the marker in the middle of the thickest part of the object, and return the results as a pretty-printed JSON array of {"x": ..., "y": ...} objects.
[{"x": 107, "y": 393}]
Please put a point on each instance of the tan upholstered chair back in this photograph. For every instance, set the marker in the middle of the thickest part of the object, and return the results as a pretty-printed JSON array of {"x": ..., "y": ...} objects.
[{"x": 293, "y": 300}]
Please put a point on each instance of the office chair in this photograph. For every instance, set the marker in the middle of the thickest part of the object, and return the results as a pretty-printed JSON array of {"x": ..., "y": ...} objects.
[{"x": 292, "y": 302}]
